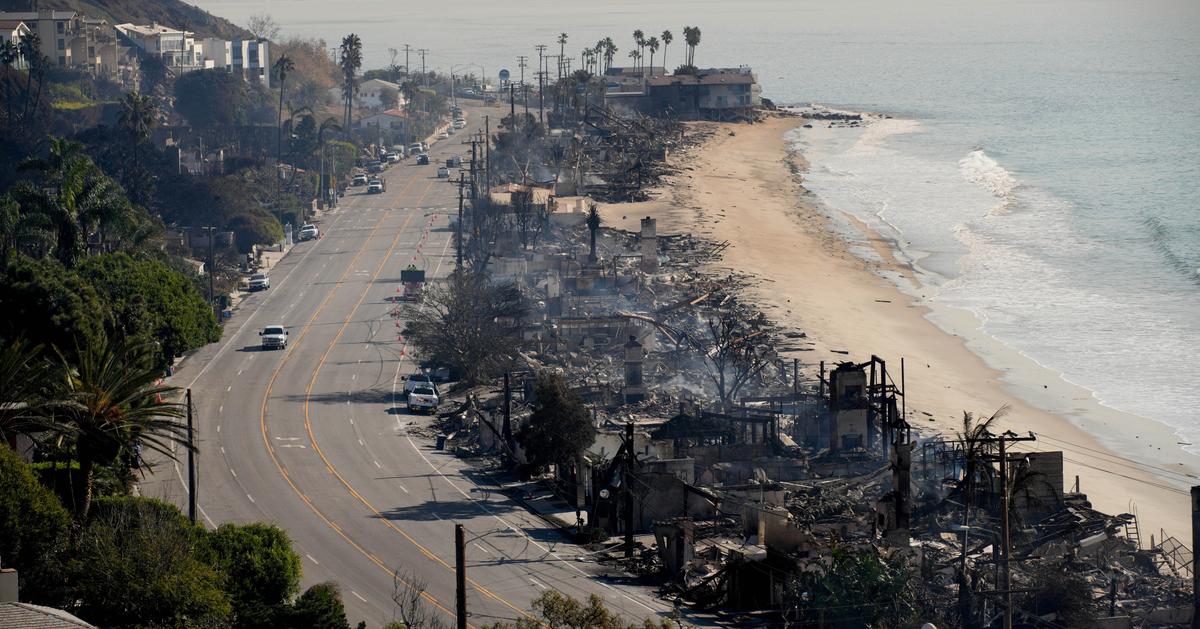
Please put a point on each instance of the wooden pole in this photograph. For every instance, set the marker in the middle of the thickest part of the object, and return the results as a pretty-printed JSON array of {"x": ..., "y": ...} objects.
[
  {"x": 1195, "y": 546},
  {"x": 191, "y": 460},
  {"x": 1004, "y": 535},
  {"x": 460, "y": 577}
]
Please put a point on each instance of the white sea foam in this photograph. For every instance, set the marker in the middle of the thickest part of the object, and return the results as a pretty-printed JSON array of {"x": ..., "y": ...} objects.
[{"x": 978, "y": 168}]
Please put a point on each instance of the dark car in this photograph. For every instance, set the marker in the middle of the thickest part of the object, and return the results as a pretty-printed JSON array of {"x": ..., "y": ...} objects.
[
  {"x": 374, "y": 167},
  {"x": 423, "y": 159}
]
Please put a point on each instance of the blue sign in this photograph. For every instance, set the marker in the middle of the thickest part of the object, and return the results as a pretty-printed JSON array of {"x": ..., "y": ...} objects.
[{"x": 504, "y": 75}]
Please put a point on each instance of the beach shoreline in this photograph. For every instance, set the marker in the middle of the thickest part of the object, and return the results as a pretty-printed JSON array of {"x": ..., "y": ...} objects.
[{"x": 744, "y": 184}]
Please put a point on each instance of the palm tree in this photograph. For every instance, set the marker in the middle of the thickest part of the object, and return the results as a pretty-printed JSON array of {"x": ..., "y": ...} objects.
[
  {"x": 610, "y": 51},
  {"x": 9, "y": 53},
  {"x": 75, "y": 198},
  {"x": 30, "y": 48},
  {"x": 652, "y": 44},
  {"x": 562, "y": 45},
  {"x": 24, "y": 374},
  {"x": 667, "y": 37},
  {"x": 112, "y": 402},
  {"x": 282, "y": 67},
  {"x": 639, "y": 40},
  {"x": 329, "y": 124},
  {"x": 691, "y": 37},
  {"x": 350, "y": 61},
  {"x": 138, "y": 116},
  {"x": 593, "y": 218}
]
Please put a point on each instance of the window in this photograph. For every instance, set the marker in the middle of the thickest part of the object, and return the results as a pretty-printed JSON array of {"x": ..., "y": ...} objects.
[
  {"x": 62, "y": 61},
  {"x": 59, "y": 26},
  {"x": 61, "y": 45}
]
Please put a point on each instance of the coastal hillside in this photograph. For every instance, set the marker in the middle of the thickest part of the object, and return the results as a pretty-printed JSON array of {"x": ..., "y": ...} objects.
[{"x": 169, "y": 12}]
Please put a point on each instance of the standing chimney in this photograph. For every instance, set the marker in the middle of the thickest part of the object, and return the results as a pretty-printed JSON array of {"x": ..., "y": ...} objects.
[
  {"x": 635, "y": 390},
  {"x": 649, "y": 245}
]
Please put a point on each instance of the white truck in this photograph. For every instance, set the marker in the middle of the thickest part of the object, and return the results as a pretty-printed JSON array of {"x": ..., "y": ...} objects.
[
  {"x": 274, "y": 337},
  {"x": 259, "y": 281}
]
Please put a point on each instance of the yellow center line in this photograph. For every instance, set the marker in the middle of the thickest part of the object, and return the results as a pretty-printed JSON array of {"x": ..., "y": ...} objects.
[
  {"x": 262, "y": 418},
  {"x": 317, "y": 448}
]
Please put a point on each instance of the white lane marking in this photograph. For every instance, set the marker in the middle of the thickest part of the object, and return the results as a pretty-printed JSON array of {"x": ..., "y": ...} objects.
[
  {"x": 228, "y": 388},
  {"x": 481, "y": 548},
  {"x": 351, "y": 421},
  {"x": 356, "y": 595},
  {"x": 354, "y": 377},
  {"x": 377, "y": 464},
  {"x": 220, "y": 409},
  {"x": 218, "y": 427},
  {"x": 360, "y": 442},
  {"x": 233, "y": 472},
  {"x": 250, "y": 497},
  {"x": 402, "y": 487},
  {"x": 287, "y": 438},
  {"x": 222, "y": 449},
  {"x": 536, "y": 584},
  {"x": 240, "y": 371},
  {"x": 310, "y": 558},
  {"x": 294, "y": 445}
]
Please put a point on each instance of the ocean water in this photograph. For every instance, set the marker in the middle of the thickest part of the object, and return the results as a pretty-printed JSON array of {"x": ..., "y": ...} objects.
[{"x": 1041, "y": 166}]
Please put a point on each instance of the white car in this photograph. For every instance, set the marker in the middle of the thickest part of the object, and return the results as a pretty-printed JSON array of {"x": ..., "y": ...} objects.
[
  {"x": 308, "y": 232},
  {"x": 416, "y": 380},
  {"x": 259, "y": 281},
  {"x": 375, "y": 187},
  {"x": 444, "y": 135},
  {"x": 423, "y": 398},
  {"x": 443, "y": 172},
  {"x": 274, "y": 337},
  {"x": 460, "y": 123}
]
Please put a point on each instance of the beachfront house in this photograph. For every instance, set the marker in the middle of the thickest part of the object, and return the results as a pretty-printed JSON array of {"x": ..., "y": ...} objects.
[{"x": 709, "y": 94}]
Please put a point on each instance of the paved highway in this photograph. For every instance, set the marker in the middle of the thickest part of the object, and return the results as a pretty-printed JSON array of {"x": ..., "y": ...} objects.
[{"x": 313, "y": 438}]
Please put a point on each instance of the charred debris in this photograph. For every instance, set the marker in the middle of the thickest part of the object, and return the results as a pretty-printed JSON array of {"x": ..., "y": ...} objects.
[{"x": 748, "y": 483}]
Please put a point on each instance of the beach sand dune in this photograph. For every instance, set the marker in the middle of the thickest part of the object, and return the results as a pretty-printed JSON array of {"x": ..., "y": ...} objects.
[{"x": 744, "y": 185}]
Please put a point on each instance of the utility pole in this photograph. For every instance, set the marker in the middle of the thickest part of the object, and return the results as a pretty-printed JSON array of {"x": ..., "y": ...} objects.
[
  {"x": 460, "y": 577},
  {"x": 541, "y": 48},
  {"x": 512, "y": 103},
  {"x": 1195, "y": 541},
  {"x": 407, "y": 68},
  {"x": 191, "y": 462},
  {"x": 521, "y": 64},
  {"x": 626, "y": 484},
  {"x": 423, "y": 51},
  {"x": 1005, "y": 539},
  {"x": 458, "y": 248},
  {"x": 487, "y": 154},
  {"x": 212, "y": 301}
]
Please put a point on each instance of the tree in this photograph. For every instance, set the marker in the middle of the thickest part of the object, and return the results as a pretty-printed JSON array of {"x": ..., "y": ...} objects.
[
  {"x": 560, "y": 611},
  {"x": 24, "y": 374},
  {"x": 320, "y": 607},
  {"x": 593, "y": 225},
  {"x": 211, "y": 98},
  {"x": 45, "y": 304},
  {"x": 855, "y": 589},
  {"x": 9, "y": 54},
  {"x": 559, "y": 429},
  {"x": 562, "y": 47},
  {"x": 389, "y": 98},
  {"x": 691, "y": 37},
  {"x": 652, "y": 44},
  {"x": 34, "y": 530},
  {"x": 282, "y": 67},
  {"x": 151, "y": 302},
  {"x": 75, "y": 200},
  {"x": 350, "y": 60},
  {"x": 667, "y": 37},
  {"x": 260, "y": 570},
  {"x": 469, "y": 324},
  {"x": 137, "y": 564},
  {"x": 138, "y": 117},
  {"x": 639, "y": 40},
  {"x": 408, "y": 592},
  {"x": 736, "y": 347},
  {"x": 111, "y": 403},
  {"x": 610, "y": 51},
  {"x": 263, "y": 26}
]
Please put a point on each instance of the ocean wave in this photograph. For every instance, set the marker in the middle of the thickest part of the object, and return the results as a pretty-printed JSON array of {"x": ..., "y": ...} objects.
[
  {"x": 1162, "y": 239},
  {"x": 978, "y": 168}
]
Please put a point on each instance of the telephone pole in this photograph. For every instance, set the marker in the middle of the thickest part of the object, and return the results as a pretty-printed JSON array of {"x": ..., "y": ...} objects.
[
  {"x": 407, "y": 68},
  {"x": 458, "y": 248},
  {"x": 191, "y": 462},
  {"x": 423, "y": 51},
  {"x": 541, "y": 48},
  {"x": 626, "y": 485},
  {"x": 460, "y": 577}
]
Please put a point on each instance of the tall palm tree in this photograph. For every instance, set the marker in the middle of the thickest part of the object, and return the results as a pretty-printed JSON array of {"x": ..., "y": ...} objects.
[
  {"x": 138, "y": 116},
  {"x": 24, "y": 374},
  {"x": 652, "y": 45},
  {"x": 9, "y": 53},
  {"x": 610, "y": 51},
  {"x": 639, "y": 40},
  {"x": 350, "y": 61},
  {"x": 112, "y": 402},
  {"x": 283, "y": 65},
  {"x": 667, "y": 37},
  {"x": 29, "y": 48},
  {"x": 691, "y": 36},
  {"x": 562, "y": 46}
]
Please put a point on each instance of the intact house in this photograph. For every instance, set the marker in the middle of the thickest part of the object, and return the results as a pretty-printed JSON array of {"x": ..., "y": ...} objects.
[
  {"x": 390, "y": 125},
  {"x": 371, "y": 94},
  {"x": 710, "y": 94},
  {"x": 11, "y": 31},
  {"x": 181, "y": 52}
]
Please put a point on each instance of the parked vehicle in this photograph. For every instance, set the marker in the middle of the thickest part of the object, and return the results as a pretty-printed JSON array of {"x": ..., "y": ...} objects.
[
  {"x": 308, "y": 232},
  {"x": 274, "y": 337},
  {"x": 444, "y": 135},
  {"x": 416, "y": 380},
  {"x": 374, "y": 167},
  {"x": 259, "y": 281},
  {"x": 443, "y": 172},
  {"x": 423, "y": 159},
  {"x": 423, "y": 399},
  {"x": 414, "y": 148},
  {"x": 460, "y": 123},
  {"x": 454, "y": 162},
  {"x": 360, "y": 179},
  {"x": 376, "y": 186}
]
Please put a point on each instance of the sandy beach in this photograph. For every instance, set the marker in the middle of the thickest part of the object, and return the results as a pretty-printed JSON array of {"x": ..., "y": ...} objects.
[{"x": 745, "y": 185}]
